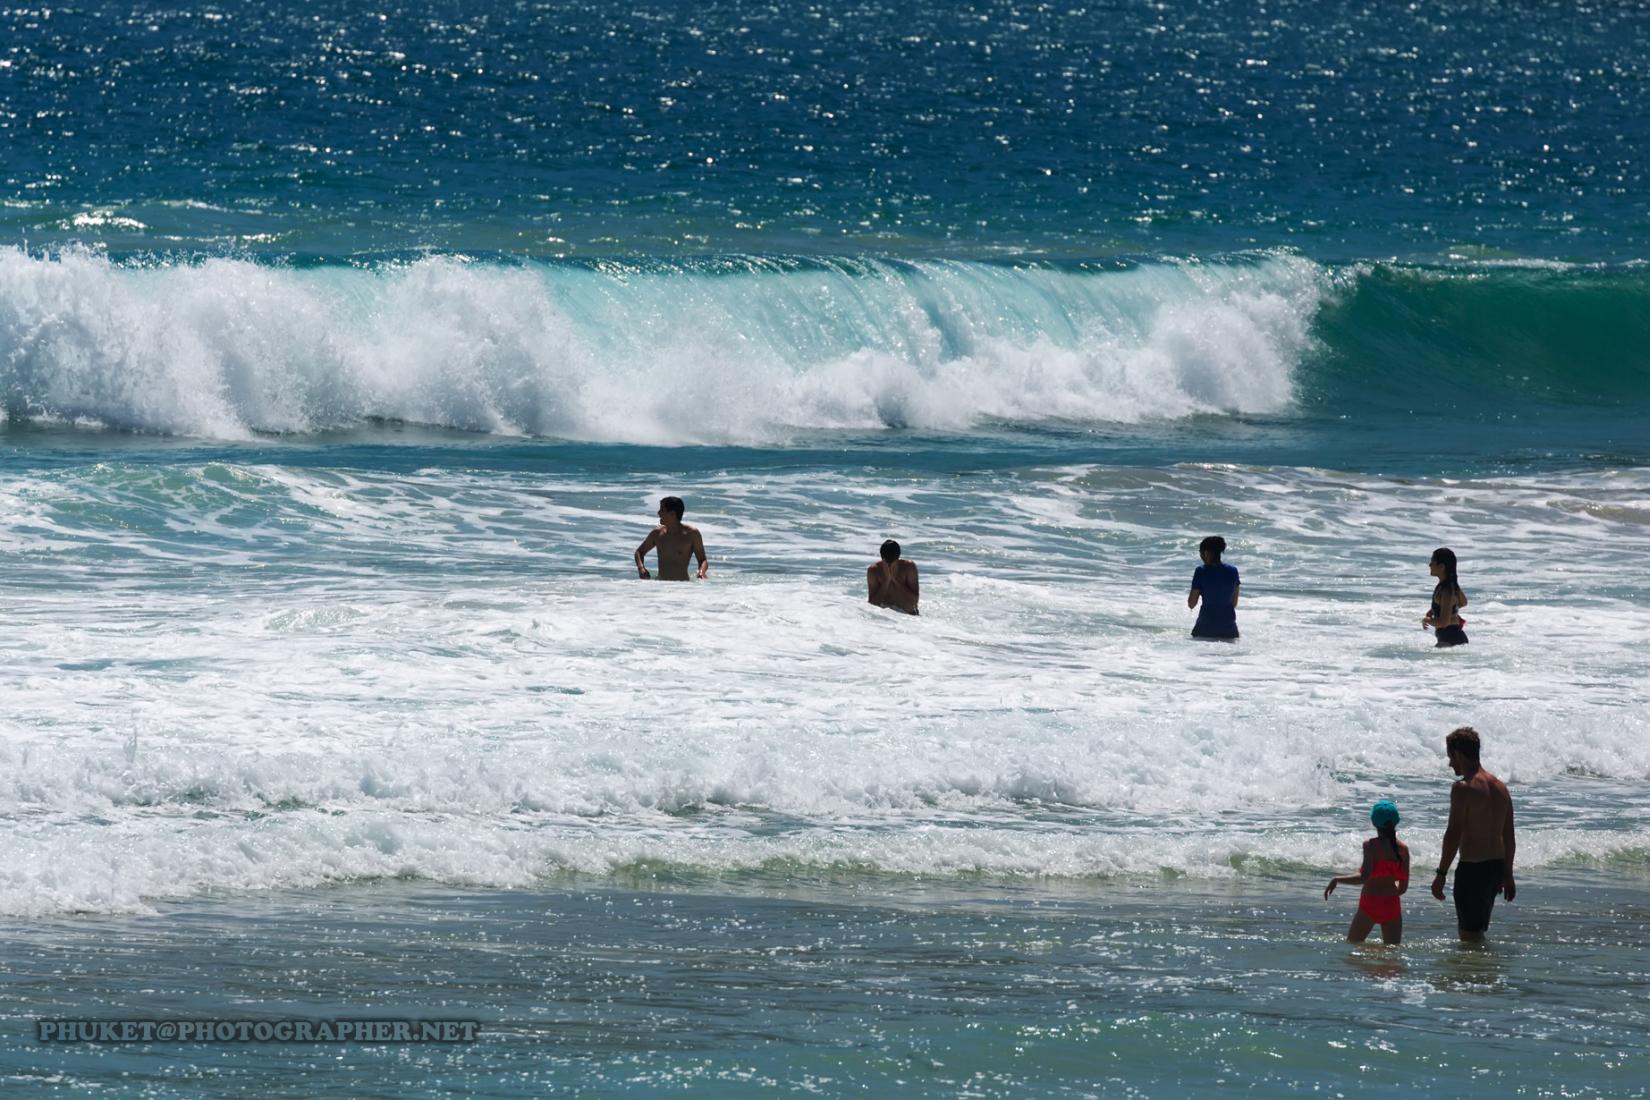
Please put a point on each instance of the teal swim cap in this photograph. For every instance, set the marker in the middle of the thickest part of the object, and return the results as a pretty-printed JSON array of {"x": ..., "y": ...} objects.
[{"x": 1384, "y": 812}]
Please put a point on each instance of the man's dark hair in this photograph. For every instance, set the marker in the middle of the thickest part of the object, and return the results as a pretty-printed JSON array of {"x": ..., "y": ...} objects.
[
  {"x": 1463, "y": 741},
  {"x": 1214, "y": 546},
  {"x": 673, "y": 504},
  {"x": 890, "y": 551}
]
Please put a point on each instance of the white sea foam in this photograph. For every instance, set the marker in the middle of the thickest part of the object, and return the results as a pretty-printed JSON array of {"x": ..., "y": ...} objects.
[
  {"x": 226, "y": 348},
  {"x": 104, "y": 869},
  {"x": 247, "y": 677}
]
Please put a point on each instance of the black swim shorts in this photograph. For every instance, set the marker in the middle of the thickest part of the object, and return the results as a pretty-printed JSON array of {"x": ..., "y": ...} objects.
[
  {"x": 1476, "y": 885},
  {"x": 1451, "y": 635}
]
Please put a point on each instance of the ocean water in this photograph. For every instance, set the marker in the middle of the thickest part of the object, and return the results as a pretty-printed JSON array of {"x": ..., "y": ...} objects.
[{"x": 344, "y": 358}]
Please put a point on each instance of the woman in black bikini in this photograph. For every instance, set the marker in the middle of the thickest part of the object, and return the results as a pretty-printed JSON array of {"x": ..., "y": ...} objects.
[{"x": 1447, "y": 601}]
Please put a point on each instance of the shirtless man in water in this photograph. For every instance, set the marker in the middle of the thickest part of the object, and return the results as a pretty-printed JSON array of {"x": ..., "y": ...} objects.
[
  {"x": 893, "y": 580},
  {"x": 675, "y": 541},
  {"x": 1481, "y": 830}
]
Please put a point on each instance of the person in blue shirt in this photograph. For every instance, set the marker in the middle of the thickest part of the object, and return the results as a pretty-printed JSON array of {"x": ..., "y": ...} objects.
[{"x": 1215, "y": 585}]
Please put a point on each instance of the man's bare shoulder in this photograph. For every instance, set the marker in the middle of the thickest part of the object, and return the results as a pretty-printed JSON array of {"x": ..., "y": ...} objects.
[
  {"x": 688, "y": 530},
  {"x": 1481, "y": 785}
]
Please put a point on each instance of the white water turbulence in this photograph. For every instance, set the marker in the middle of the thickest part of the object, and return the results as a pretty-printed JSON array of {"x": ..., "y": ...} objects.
[
  {"x": 715, "y": 351},
  {"x": 247, "y": 677}
]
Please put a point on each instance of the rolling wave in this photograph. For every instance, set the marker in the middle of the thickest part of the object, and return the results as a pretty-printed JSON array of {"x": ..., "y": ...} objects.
[
  {"x": 740, "y": 351},
  {"x": 1492, "y": 338},
  {"x": 762, "y": 350}
]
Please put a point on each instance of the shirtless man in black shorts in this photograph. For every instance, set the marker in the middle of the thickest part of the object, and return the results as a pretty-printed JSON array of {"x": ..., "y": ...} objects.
[
  {"x": 675, "y": 541},
  {"x": 1481, "y": 830}
]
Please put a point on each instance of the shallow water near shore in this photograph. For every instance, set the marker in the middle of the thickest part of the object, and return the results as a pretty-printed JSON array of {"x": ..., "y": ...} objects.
[{"x": 768, "y": 985}]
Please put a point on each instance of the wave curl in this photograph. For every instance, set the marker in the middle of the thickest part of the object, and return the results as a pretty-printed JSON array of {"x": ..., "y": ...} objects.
[{"x": 733, "y": 350}]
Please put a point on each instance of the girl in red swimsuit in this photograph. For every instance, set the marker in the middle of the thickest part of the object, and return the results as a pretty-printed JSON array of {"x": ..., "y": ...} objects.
[{"x": 1384, "y": 877}]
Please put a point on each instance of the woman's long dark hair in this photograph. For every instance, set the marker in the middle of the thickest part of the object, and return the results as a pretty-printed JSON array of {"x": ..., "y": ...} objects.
[
  {"x": 1446, "y": 557},
  {"x": 1389, "y": 833}
]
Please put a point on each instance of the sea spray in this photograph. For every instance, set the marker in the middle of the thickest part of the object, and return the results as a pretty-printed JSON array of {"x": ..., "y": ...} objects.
[{"x": 720, "y": 351}]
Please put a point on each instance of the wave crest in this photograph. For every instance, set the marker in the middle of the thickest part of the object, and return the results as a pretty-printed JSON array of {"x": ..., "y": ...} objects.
[{"x": 739, "y": 351}]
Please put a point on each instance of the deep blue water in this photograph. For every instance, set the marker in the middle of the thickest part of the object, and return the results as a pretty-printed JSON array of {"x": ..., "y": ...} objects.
[{"x": 1349, "y": 131}]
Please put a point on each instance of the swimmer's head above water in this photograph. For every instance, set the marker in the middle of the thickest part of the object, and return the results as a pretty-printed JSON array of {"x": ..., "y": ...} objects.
[
  {"x": 672, "y": 504},
  {"x": 890, "y": 552},
  {"x": 1384, "y": 813},
  {"x": 1442, "y": 566}
]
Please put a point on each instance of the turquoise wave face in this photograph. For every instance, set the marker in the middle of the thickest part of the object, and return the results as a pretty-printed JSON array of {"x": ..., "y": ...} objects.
[
  {"x": 1421, "y": 368},
  {"x": 1497, "y": 340},
  {"x": 919, "y": 128},
  {"x": 1260, "y": 358}
]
